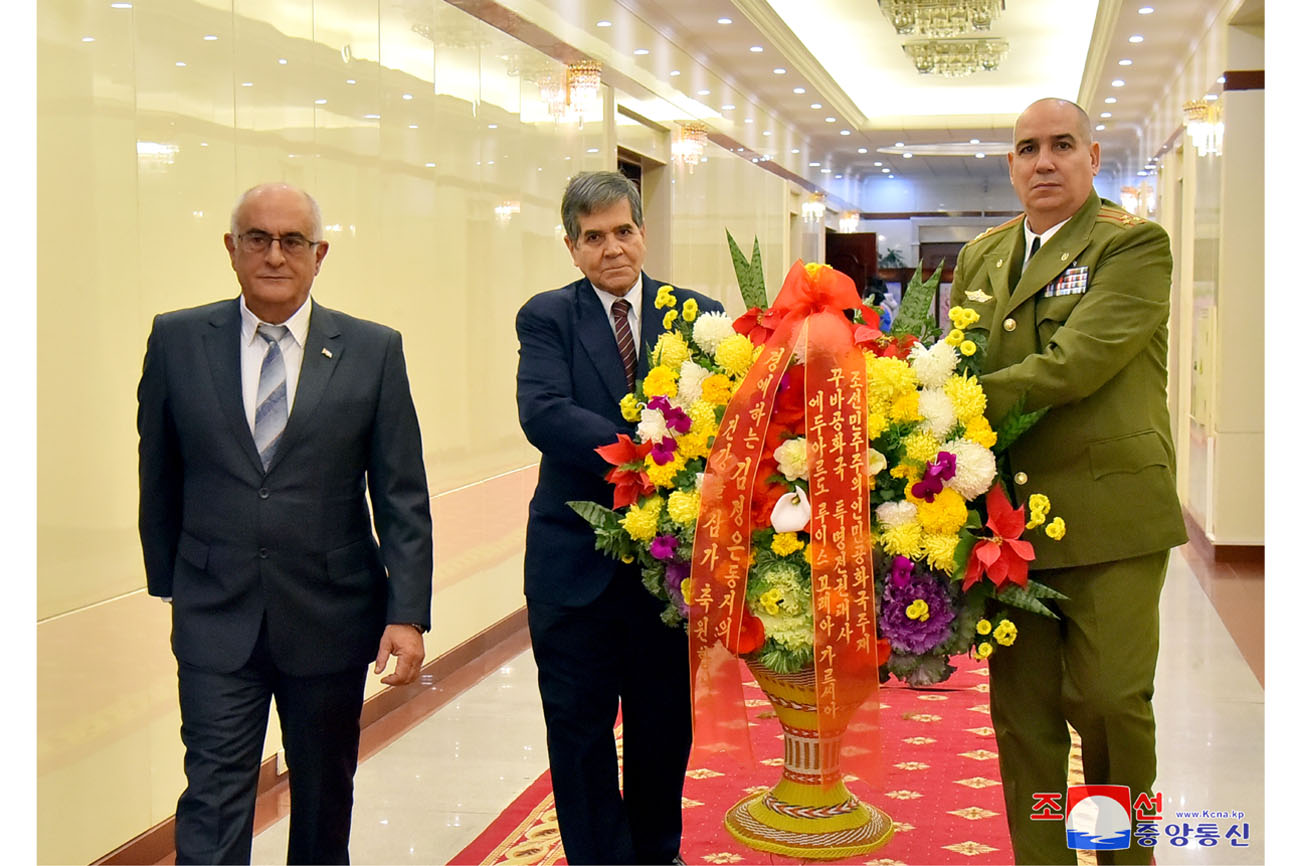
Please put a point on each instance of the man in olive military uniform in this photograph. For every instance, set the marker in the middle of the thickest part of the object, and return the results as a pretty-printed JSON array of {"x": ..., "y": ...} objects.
[{"x": 1074, "y": 297}]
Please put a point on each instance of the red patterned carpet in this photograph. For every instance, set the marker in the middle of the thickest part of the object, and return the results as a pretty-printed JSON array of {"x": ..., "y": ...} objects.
[{"x": 941, "y": 788}]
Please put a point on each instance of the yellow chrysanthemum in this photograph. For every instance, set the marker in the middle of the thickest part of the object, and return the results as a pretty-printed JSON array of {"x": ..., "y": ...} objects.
[
  {"x": 983, "y": 626},
  {"x": 683, "y": 507},
  {"x": 946, "y": 515},
  {"x": 692, "y": 445},
  {"x": 665, "y": 297},
  {"x": 661, "y": 381},
  {"x": 662, "y": 476},
  {"x": 906, "y": 408},
  {"x": 979, "y": 431},
  {"x": 962, "y": 317},
  {"x": 704, "y": 417},
  {"x": 687, "y": 590},
  {"x": 771, "y": 601},
  {"x": 716, "y": 389},
  {"x": 905, "y": 470},
  {"x": 1035, "y": 520},
  {"x": 939, "y": 551},
  {"x": 967, "y": 396},
  {"x": 920, "y": 446},
  {"x": 967, "y": 348},
  {"x": 690, "y": 310},
  {"x": 918, "y": 609},
  {"x": 1040, "y": 502},
  {"x": 671, "y": 351},
  {"x": 887, "y": 379},
  {"x": 630, "y": 408},
  {"x": 877, "y": 423},
  {"x": 642, "y": 521},
  {"x": 984, "y": 650},
  {"x": 735, "y": 355},
  {"x": 955, "y": 336},
  {"x": 786, "y": 543},
  {"x": 1056, "y": 529},
  {"x": 902, "y": 540},
  {"x": 1005, "y": 633}
]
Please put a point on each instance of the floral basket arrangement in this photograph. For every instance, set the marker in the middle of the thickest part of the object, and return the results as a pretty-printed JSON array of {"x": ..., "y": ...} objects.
[{"x": 822, "y": 500}]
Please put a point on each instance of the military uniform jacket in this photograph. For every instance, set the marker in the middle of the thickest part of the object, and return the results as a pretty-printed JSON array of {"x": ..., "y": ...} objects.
[{"x": 1083, "y": 332}]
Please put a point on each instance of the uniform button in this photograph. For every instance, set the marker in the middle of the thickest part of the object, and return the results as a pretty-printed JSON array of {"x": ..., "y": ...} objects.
[
  {"x": 263, "y": 553},
  {"x": 999, "y": 264},
  {"x": 1021, "y": 478},
  {"x": 1009, "y": 325},
  {"x": 264, "y": 493}
]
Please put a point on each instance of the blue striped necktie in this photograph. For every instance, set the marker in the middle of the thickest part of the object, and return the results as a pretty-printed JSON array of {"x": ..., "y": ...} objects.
[{"x": 272, "y": 395}]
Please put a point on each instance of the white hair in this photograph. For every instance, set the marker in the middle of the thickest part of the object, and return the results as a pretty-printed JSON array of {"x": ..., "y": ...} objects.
[{"x": 316, "y": 222}]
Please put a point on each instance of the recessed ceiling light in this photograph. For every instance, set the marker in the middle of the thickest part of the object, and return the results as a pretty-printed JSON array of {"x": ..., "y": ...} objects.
[
  {"x": 408, "y": 96},
  {"x": 351, "y": 81},
  {"x": 283, "y": 61},
  {"x": 180, "y": 62},
  {"x": 844, "y": 132},
  {"x": 413, "y": 126},
  {"x": 492, "y": 126},
  {"x": 1110, "y": 100},
  {"x": 641, "y": 51},
  {"x": 815, "y": 105},
  {"x": 675, "y": 73},
  {"x": 88, "y": 39},
  {"x": 120, "y": 5},
  {"x": 795, "y": 150},
  {"x": 203, "y": 144},
  {"x": 767, "y": 132},
  {"x": 728, "y": 107},
  {"x": 724, "y": 20},
  {"x": 208, "y": 38},
  {"x": 370, "y": 116},
  {"x": 431, "y": 165},
  {"x": 1146, "y": 10},
  {"x": 826, "y": 171},
  {"x": 1118, "y": 82},
  {"x": 701, "y": 93},
  {"x": 780, "y": 70},
  {"x": 1221, "y": 80},
  {"x": 974, "y": 141},
  {"x": 1135, "y": 38},
  {"x": 1142, "y": 174},
  {"x": 979, "y": 156},
  {"x": 830, "y": 119},
  {"x": 1106, "y": 114},
  {"x": 884, "y": 171},
  {"x": 862, "y": 150},
  {"x": 898, "y": 144},
  {"x": 604, "y": 23},
  {"x": 877, "y": 164},
  {"x": 248, "y": 84},
  {"x": 593, "y": 150},
  {"x": 813, "y": 164},
  {"x": 1211, "y": 97},
  {"x": 1126, "y": 62},
  {"x": 1100, "y": 127},
  {"x": 756, "y": 49},
  {"x": 321, "y": 101},
  {"x": 749, "y": 120},
  {"x": 907, "y": 156},
  {"x": 800, "y": 90}
]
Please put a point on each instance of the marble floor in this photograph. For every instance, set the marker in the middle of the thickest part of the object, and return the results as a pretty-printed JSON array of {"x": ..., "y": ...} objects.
[{"x": 432, "y": 788}]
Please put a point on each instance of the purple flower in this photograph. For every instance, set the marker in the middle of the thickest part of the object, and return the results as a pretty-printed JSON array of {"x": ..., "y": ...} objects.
[
  {"x": 663, "y": 547},
  {"x": 939, "y": 470},
  {"x": 674, "y": 574},
  {"x": 662, "y": 451},
  {"x": 674, "y": 418},
  {"x": 900, "y": 571},
  {"x": 916, "y": 636}
]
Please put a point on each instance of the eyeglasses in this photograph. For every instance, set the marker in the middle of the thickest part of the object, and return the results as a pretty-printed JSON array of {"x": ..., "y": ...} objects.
[{"x": 290, "y": 244}]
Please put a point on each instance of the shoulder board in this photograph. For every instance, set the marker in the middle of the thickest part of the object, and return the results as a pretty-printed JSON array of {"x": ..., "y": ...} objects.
[
  {"x": 1006, "y": 225},
  {"x": 1118, "y": 216}
]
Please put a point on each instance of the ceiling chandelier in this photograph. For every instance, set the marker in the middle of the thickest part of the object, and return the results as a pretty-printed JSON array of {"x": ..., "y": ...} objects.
[
  {"x": 1205, "y": 126},
  {"x": 573, "y": 93},
  {"x": 689, "y": 146},
  {"x": 814, "y": 209},
  {"x": 940, "y": 18},
  {"x": 956, "y": 58}
]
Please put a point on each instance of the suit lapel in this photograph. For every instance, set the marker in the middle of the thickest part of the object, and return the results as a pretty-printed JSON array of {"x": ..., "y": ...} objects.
[
  {"x": 1001, "y": 264},
  {"x": 597, "y": 338},
  {"x": 221, "y": 344},
  {"x": 320, "y": 358},
  {"x": 1057, "y": 254},
  {"x": 652, "y": 323}
]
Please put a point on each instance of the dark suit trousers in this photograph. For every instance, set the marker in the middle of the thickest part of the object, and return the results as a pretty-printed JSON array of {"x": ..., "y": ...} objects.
[
  {"x": 223, "y": 727},
  {"x": 588, "y": 660}
]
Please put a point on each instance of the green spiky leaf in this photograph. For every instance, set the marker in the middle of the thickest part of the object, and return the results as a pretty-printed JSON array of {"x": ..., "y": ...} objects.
[
  {"x": 749, "y": 274},
  {"x": 915, "y": 311},
  {"x": 1027, "y": 598},
  {"x": 1015, "y": 424}
]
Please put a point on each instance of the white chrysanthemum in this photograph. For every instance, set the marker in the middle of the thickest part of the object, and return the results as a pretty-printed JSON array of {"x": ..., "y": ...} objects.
[
  {"x": 652, "y": 428},
  {"x": 938, "y": 416},
  {"x": 976, "y": 467},
  {"x": 711, "y": 329},
  {"x": 891, "y": 514},
  {"x": 689, "y": 384},
  {"x": 792, "y": 459},
  {"x": 934, "y": 365},
  {"x": 875, "y": 461}
]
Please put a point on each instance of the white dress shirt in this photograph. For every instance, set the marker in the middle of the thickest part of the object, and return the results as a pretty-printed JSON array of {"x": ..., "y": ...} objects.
[
  {"x": 253, "y": 349},
  {"x": 1042, "y": 239},
  {"x": 633, "y": 297}
]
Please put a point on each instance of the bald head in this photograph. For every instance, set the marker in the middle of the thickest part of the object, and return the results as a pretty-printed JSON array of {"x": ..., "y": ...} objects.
[
  {"x": 1053, "y": 160},
  {"x": 278, "y": 190}
]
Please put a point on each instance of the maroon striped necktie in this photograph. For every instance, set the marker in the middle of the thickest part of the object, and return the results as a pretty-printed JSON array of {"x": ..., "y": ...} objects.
[{"x": 626, "y": 345}]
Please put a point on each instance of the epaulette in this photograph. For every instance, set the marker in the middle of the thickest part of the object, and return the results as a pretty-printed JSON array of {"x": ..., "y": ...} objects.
[
  {"x": 1118, "y": 216},
  {"x": 1006, "y": 225}
]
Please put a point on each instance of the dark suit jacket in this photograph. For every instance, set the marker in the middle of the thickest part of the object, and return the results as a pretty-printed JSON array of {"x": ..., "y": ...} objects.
[
  {"x": 1104, "y": 454},
  {"x": 569, "y": 386},
  {"x": 231, "y": 543}
]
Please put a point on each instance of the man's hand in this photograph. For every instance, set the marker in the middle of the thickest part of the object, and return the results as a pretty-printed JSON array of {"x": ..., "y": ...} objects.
[{"x": 405, "y": 642}]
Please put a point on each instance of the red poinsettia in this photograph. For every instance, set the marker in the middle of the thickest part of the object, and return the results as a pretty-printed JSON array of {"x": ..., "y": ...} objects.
[
  {"x": 628, "y": 475},
  {"x": 757, "y": 324},
  {"x": 1004, "y": 556},
  {"x": 752, "y": 634}
]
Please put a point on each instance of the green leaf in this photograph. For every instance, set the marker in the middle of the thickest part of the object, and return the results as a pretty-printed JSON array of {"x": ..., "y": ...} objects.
[
  {"x": 598, "y": 516},
  {"x": 914, "y": 313},
  {"x": 749, "y": 274},
  {"x": 1015, "y": 424},
  {"x": 1027, "y": 598}
]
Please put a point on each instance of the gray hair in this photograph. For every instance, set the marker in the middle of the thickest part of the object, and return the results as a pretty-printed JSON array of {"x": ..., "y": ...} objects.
[
  {"x": 317, "y": 224},
  {"x": 592, "y": 191}
]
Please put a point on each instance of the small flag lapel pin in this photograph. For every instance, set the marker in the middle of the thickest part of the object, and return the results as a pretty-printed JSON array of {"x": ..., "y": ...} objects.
[{"x": 327, "y": 353}]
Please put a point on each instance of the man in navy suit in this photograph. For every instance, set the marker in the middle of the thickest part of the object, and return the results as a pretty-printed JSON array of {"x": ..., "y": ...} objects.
[
  {"x": 596, "y": 632},
  {"x": 264, "y": 420}
]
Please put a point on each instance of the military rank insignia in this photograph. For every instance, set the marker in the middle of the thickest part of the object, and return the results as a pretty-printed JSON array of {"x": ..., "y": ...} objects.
[{"x": 1073, "y": 282}]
